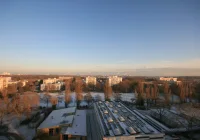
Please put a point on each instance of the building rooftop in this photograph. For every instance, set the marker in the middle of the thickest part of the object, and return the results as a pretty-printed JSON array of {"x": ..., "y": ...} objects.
[
  {"x": 60, "y": 117},
  {"x": 79, "y": 125},
  {"x": 121, "y": 121}
]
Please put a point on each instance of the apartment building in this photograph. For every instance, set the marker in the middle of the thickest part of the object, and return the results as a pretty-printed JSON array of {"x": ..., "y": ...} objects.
[
  {"x": 6, "y": 73},
  {"x": 168, "y": 79},
  {"x": 50, "y": 80},
  {"x": 91, "y": 80},
  {"x": 113, "y": 80},
  {"x": 63, "y": 78},
  {"x": 51, "y": 86},
  {"x": 4, "y": 82},
  {"x": 24, "y": 82}
]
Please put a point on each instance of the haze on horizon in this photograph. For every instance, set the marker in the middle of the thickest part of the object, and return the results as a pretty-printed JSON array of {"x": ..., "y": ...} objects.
[{"x": 134, "y": 37}]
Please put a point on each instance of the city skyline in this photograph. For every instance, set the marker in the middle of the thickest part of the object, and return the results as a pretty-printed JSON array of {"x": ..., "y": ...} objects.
[{"x": 133, "y": 37}]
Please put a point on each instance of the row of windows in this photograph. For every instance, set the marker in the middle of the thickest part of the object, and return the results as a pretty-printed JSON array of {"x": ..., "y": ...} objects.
[{"x": 51, "y": 131}]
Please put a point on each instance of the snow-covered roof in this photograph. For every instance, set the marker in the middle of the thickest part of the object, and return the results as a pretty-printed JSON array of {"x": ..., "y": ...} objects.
[
  {"x": 59, "y": 117},
  {"x": 79, "y": 125}
]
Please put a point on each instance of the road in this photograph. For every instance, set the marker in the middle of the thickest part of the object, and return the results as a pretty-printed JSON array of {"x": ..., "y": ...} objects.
[{"x": 92, "y": 127}]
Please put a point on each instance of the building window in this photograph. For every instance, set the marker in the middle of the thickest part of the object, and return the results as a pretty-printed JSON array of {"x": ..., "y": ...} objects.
[
  {"x": 57, "y": 130},
  {"x": 65, "y": 137},
  {"x": 51, "y": 132}
]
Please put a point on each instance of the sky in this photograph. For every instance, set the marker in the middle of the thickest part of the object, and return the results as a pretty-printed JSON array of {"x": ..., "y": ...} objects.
[{"x": 108, "y": 36}]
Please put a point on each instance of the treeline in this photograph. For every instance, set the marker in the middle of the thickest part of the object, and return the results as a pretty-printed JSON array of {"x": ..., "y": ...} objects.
[
  {"x": 35, "y": 77},
  {"x": 32, "y": 77}
]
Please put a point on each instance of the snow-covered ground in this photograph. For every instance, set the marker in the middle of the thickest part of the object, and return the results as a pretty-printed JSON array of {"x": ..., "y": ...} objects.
[
  {"x": 124, "y": 97},
  {"x": 127, "y": 97},
  {"x": 61, "y": 99},
  {"x": 174, "y": 98},
  {"x": 14, "y": 126}
]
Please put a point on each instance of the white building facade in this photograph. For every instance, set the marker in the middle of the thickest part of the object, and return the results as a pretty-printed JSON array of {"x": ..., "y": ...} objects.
[
  {"x": 4, "y": 81},
  {"x": 6, "y": 73},
  {"x": 91, "y": 80},
  {"x": 65, "y": 78},
  {"x": 113, "y": 80},
  {"x": 50, "y": 80},
  {"x": 168, "y": 79},
  {"x": 51, "y": 87}
]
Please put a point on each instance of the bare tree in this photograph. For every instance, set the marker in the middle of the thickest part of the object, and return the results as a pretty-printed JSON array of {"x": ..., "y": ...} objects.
[
  {"x": 12, "y": 88},
  {"x": 10, "y": 105},
  {"x": 117, "y": 96},
  {"x": 190, "y": 118},
  {"x": 140, "y": 94},
  {"x": 140, "y": 89},
  {"x": 17, "y": 105},
  {"x": 160, "y": 110},
  {"x": 47, "y": 98},
  {"x": 182, "y": 92},
  {"x": 167, "y": 93},
  {"x": 67, "y": 91},
  {"x": 20, "y": 87},
  {"x": 26, "y": 105},
  {"x": 78, "y": 90},
  {"x": 30, "y": 86},
  {"x": 154, "y": 93},
  {"x": 98, "y": 98},
  {"x": 4, "y": 106},
  {"x": 124, "y": 85},
  {"x": 148, "y": 95},
  {"x": 107, "y": 90},
  {"x": 54, "y": 102},
  {"x": 88, "y": 98},
  {"x": 191, "y": 88}
]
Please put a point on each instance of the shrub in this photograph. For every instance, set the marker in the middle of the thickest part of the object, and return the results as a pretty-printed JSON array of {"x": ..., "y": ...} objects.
[
  {"x": 141, "y": 107},
  {"x": 53, "y": 107},
  {"x": 26, "y": 121},
  {"x": 3, "y": 128}
]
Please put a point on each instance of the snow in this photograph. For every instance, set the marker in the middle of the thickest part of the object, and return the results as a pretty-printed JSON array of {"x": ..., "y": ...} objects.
[
  {"x": 174, "y": 110},
  {"x": 27, "y": 132},
  {"x": 128, "y": 96},
  {"x": 83, "y": 103},
  {"x": 56, "y": 117},
  {"x": 61, "y": 99},
  {"x": 13, "y": 122},
  {"x": 79, "y": 124}
]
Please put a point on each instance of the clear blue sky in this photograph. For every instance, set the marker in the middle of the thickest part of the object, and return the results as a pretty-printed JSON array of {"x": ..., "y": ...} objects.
[{"x": 60, "y": 36}]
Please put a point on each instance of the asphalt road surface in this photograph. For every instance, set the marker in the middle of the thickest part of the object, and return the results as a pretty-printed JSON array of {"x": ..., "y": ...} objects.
[{"x": 92, "y": 127}]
